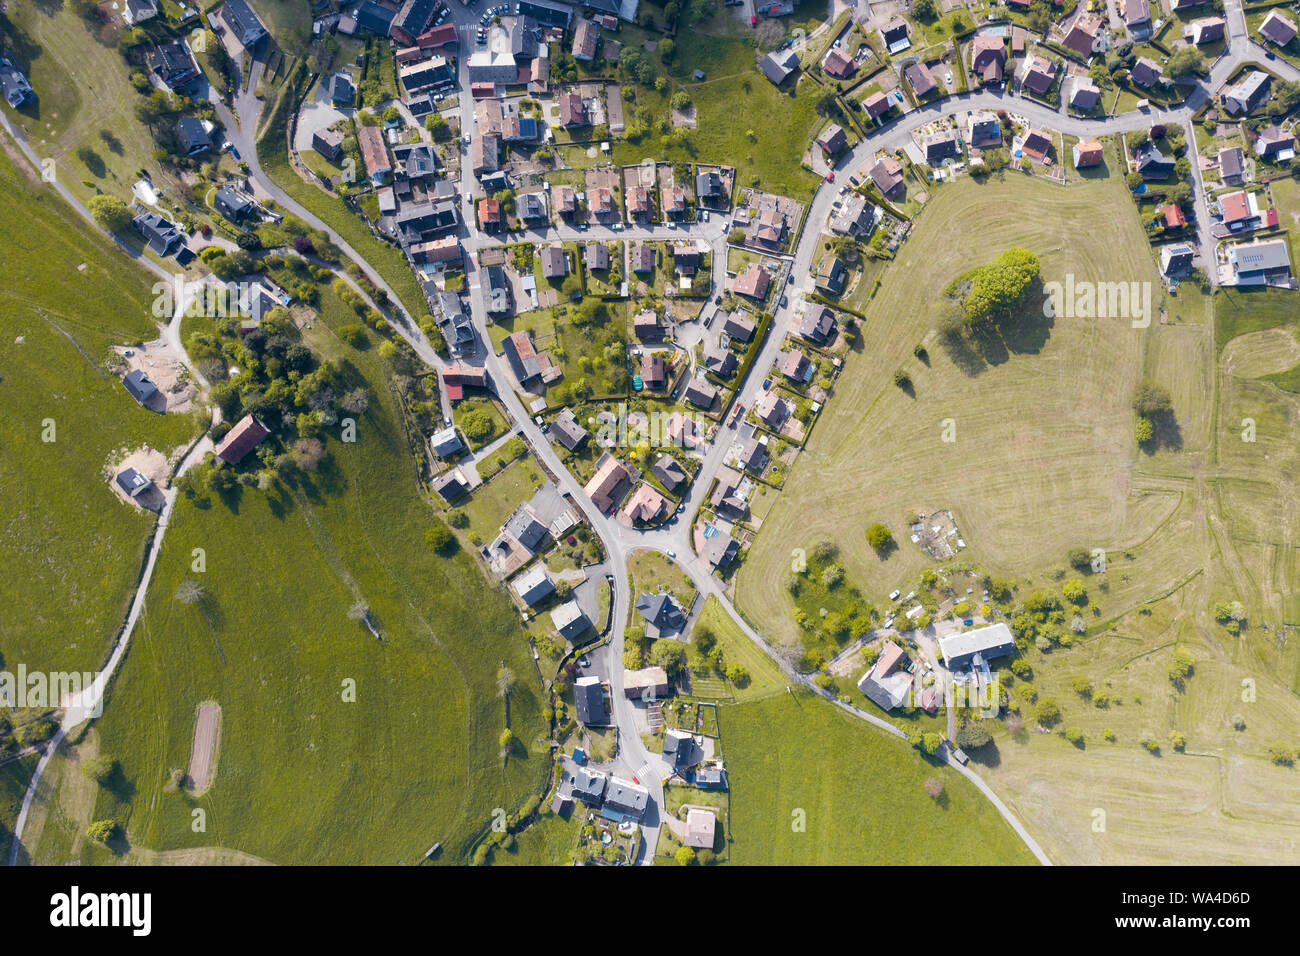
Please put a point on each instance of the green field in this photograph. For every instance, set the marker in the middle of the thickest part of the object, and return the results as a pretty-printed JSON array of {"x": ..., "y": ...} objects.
[
  {"x": 68, "y": 296},
  {"x": 1043, "y": 460},
  {"x": 304, "y": 775}
]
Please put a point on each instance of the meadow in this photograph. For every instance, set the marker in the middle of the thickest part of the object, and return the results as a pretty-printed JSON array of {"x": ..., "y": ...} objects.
[
  {"x": 70, "y": 547},
  {"x": 336, "y": 745}
]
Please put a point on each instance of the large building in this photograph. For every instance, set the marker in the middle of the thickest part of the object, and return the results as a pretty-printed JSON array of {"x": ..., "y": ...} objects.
[
  {"x": 238, "y": 17},
  {"x": 982, "y": 644}
]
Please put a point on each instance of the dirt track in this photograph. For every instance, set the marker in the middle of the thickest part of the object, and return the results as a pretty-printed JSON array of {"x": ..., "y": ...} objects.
[{"x": 203, "y": 755}]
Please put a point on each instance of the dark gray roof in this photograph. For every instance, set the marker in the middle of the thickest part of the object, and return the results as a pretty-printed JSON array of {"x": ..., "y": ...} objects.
[
  {"x": 371, "y": 16},
  {"x": 589, "y": 701},
  {"x": 626, "y": 798},
  {"x": 669, "y": 471},
  {"x": 660, "y": 611},
  {"x": 161, "y": 234},
  {"x": 524, "y": 527}
]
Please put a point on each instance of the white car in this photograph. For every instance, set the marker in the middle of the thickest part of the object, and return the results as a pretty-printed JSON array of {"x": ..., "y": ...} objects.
[{"x": 671, "y": 554}]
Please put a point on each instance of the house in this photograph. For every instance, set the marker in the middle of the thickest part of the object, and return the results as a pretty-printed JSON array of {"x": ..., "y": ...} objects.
[
  {"x": 1176, "y": 259},
  {"x": 573, "y": 110},
  {"x": 1249, "y": 92},
  {"x": 625, "y": 800},
  {"x": 1277, "y": 28},
  {"x": 555, "y": 264},
  {"x": 669, "y": 472},
  {"x": 139, "y": 386},
  {"x": 567, "y": 430},
  {"x": 700, "y": 394},
  {"x": 738, "y": 326},
  {"x": 1146, "y": 72},
  {"x": 976, "y": 647},
  {"x": 133, "y": 483},
  {"x": 424, "y": 221},
  {"x": 606, "y": 486},
  {"x": 642, "y": 258},
  {"x": 1037, "y": 145},
  {"x": 341, "y": 89},
  {"x": 565, "y": 199},
  {"x": 547, "y": 12},
  {"x": 855, "y": 216},
  {"x": 329, "y": 143},
  {"x": 988, "y": 58},
  {"x": 192, "y": 137},
  {"x": 1172, "y": 215},
  {"x": 779, "y": 64},
  {"x": 715, "y": 546},
  {"x": 770, "y": 229},
  {"x": 445, "y": 443},
  {"x": 1260, "y": 263},
  {"x": 893, "y": 35},
  {"x": 888, "y": 684},
  {"x": 595, "y": 256},
  {"x": 661, "y": 612},
  {"x": 818, "y": 325},
  {"x": 709, "y": 190},
  {"x": 653, "y": 374},
  {"x": 137, "y": 11},
  {"x": 726, "y": 495},
  {"x": 585, "y": 35},
  {"x": 1152, "y": 163},
  {"x": 1084, "y": 94},
  {"x": 836, "y": 64},
  {"x": 984, "y": 129},
  {"x": 1239, "y": 210},
  {"x": 710, "y": 778},
  {"x": 674, "y": 201},
  {"x": 721, "y": 362},
  {"x": 589, "y": 701},
  {"x": 534, "y": 586},
  {"x": 750, "y": 454},
  {"x": 920, "y": 79},
  {"x": 681, "y": 751},
  {"x": 172, "y": 64},
  {"x": 1038, "y": 74},
  {"x": 1082, "y": 36},
  {"x": 162, "y": 236},
  {"x": 649, "y": 683},
  {"x": 464, "y": 376},
  {"x": 375, "y": 18},
  {"x": 238, "y": 17},
  {"x": 639, "y": 205},
  {"x": 686, "y": 258},
  {"x": 587, "y": 785},
  {"x": 645, "y": 325},
  {"x": 438, "y": 37},
  {"x": 795, "y": 366},
  {"x": 1137, "y": 17},
  {"x": 569, "y": 620},
  {"x": 1182, "y": 6},
  {"x": 517, "y": 127},
  {"x": 435, "y": 71},
  {"x": 831, "y": 276},
  {"x": 940, "y": 146},
  {"x": 1232, "y": 165},
  {"x": 415, "y": 160},
  {"x": 240, "y": 440},
  {"x": 887, "y": 175},
  {"x": 1088, "y": 153},
  {"x": 876, "y": 105},
  {"x": 234, "y": 206},
  {"x": 498, "y": 290},
  {"x": 451, "y": 484},
  {"x": 645, "y": 505},
  {"x": 523, "y": 535},
  {"x": 375, "y": 154},
  {"x": 832, "y": 140},
  {"x": 600, "y": 202},
  {"x": 772, "y": 410},
  {"x": 753, "y": 282},
  {"x": 525, "y": 361},
  {"x": 1205, "y": 30},
  {"x": 532, "y": 207},
  {"x": 1275, "y": 143},
  {"x": 412, "y": 20}
]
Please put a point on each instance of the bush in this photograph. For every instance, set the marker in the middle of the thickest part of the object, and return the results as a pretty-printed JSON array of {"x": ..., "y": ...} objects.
[
  {"x": 1074, "y": 735},
  {"x": 1281, "y": 754},
  {"x": 101, "y": 831},
  {"x": 973, "y": 736},
  {"x": 99, "y": 769},
  {"x": 880, "y": 538}
]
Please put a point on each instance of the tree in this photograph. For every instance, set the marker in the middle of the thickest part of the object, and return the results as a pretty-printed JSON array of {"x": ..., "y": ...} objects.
[
  {"x": 1079, "y": 559},
  {"x": 1074, "y": 735},
  {"x": 437, "y": 126},
  {"x": 927, "y": 11},
  {"x": 667, "y": 49},
  {"x": 668, "y": 654},
  {"x": 440, "y": 538},
  {"x": 1177, "y": 740},
  {"x": 308, "y": 453},
  {"x": 933, "y": 788},
  {"x": 505, "y": 681},
  {"x": 99, "y": 769},
  {"x": 477, "y": 424},
  {"x": 110, "y": 212},
  {"x": 1180, "y": 666},
  {"x": 1075, "y": 592},
  {"x": 563, "y": 589},
  {"x": 681, "y": 100},
  {"x": 101, "y": 831},
  {"x": 1144, "y": 430},
  {"x": 684, "y": 856},
  {"x": 973, "y": 736},
  {"x": 994, "y": 290},
  {"x": 1184, "y": 62},
  {"x": 931, "y": 742},
  {"x": 1047, "y": 711},
  {"x": 832, "y": 576},
  {"x": 880, "y": 538},
  {"x": 902, "y": 379},
  {"x": 1281, "y": 754},
  {"x": 190, "y": 591}
]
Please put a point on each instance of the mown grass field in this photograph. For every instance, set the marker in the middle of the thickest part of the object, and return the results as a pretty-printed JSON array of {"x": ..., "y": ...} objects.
[
  {"x": 1044, "y": 460},
  {"x": 71, "y": 549},
  {"x": 303, "y": 775}
]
